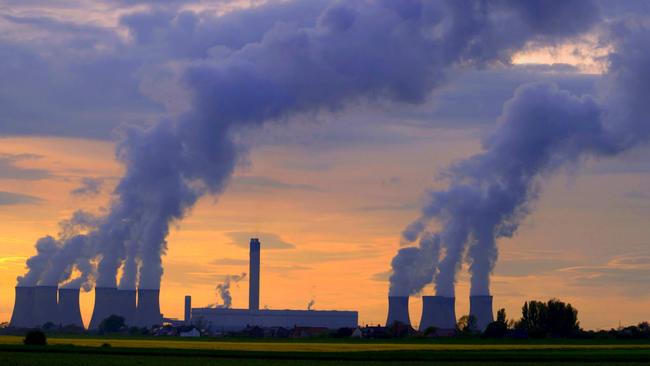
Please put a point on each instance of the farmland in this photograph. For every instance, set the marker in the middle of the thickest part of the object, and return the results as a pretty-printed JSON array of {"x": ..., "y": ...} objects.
[{"x": 99, "y": 351}]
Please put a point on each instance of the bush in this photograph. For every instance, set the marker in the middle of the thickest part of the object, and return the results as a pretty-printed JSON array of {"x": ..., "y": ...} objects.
[
  {"x": 35, "y": 337},
  {"x": 496, "y": 330},
  {"x": 112, "y": 324}
]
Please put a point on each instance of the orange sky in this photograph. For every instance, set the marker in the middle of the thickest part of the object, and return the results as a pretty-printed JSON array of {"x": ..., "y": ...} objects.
[{"x": 342, "y": 211}]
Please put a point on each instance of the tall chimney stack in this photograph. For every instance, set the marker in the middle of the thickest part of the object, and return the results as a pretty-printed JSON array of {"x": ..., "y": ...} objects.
[
  {"x": 398, "y": 310},
  {"x": 188, "y": 309},
  {"x": 23, "y": 316},
  {"x": 254, "y": 279},
  {"x": 481, "y": 308}
]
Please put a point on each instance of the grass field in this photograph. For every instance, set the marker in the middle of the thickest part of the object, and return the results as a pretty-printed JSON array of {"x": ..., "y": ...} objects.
[{"x": 176, "y": 351}]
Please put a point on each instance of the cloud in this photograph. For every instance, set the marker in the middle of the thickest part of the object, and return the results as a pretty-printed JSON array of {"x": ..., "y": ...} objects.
[
  {"x": 626, "y": 274},
  {"x": 10, "y": 199},
  {"x": 257, "y": 182},
  {"x": 89, "y": 187},
  {"x": 10, "y": 170},
  {"x": 267, "y": 240}
]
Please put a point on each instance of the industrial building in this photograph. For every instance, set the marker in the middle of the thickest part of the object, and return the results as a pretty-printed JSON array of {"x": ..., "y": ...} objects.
[
  {"x": 220, "y": 319},
  {"x": 439, "y": 311}
]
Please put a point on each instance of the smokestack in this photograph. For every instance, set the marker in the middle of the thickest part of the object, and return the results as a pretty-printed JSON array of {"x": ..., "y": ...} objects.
[
  {"x": 127, "y": 305},
  {"x": 254, "y": 270},
  {"x": 188, "y": 309},
  {"x": 105, "y": 305},
  {"x": 46, "y": 308},
  {"x": 481, "y": 308},
  {"x": 22, "y": 316},
  {"x": 148, "y": 311},
  {"x": 439, "y": 312},
  {"x": 69, "y": 311},
  {"x": 398, "y": 310}
]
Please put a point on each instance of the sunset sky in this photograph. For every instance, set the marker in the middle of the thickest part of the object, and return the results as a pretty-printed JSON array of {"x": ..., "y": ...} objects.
[{"x": 328, "y": 193}]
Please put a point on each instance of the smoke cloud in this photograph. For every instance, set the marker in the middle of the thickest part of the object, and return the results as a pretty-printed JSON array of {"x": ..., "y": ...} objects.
[
  {"x": 223, "y": 290},
  {"x": 542, "y": 129},
  {"x": 352, "y": 52}
]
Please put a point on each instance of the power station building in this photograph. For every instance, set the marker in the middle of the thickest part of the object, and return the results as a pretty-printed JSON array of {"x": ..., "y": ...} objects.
[{"x": 221, "y": 319}]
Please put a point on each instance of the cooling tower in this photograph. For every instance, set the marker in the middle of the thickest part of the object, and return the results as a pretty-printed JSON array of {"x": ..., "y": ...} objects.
[
  {"x": 69, "y": 311},
  {"x": 22, "y": 316},
  {"x": 481, "y": 308},
  {"x": 126, "y": 300},
  {"x": 148, "y": 311},
  {"x": 46, "y": 308},
  {"x": 254, "y": 279},
  {"x": 438, "y": 312},
  {"x": 106, "y": 304},
  {"x": 398, "y": 310}
]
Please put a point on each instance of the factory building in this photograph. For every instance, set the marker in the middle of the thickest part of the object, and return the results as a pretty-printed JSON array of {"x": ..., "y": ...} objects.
[{"x": 220, "y": 319}]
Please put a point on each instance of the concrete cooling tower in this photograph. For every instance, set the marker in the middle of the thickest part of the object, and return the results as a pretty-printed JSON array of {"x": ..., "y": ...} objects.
[
  {"x": 148, "y": 311},
  {"x": 22, "y": 316},
  {"x": 69, "y": 312},
  {"x": 106, "y": 304},
  {"x": 438, "y": 312},
  {"x": 46, "y": 308},
  {"x": 126, "y": 300},
  {"x": 398, "y": 310},
  {"x": 481, "y": 308}
]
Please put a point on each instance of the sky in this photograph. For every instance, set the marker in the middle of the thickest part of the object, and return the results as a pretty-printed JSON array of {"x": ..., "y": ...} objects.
[{"x": 329, "y": 190}]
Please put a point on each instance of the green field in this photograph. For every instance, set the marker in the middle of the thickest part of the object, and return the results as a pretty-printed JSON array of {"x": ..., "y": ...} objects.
[{"x": 176, "y": 351}]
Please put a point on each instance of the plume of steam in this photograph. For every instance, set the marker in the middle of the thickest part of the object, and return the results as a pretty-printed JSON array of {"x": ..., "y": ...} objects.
[
  {"x": 223, "y": 289},
  {"x": 354, "y": 52},
  {"x": 310, "y": 304},
  {"x": 541, "y": 130}
]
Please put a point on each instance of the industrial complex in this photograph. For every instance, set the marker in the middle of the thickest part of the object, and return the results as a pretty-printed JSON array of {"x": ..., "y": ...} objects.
[
  {"x": 220, "y": 319},
  {"x": 38, "y": 305}
]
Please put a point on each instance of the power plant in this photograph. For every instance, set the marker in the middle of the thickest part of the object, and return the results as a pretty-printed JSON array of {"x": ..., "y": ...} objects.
[
  {"x": 106, "y": 304},
  {"x": 224, "y": 319},
  {"x": 46, "y": 307},
  {"x": 481, "y": 308},
  {"x": 438, "y": 312},
  {"x": 37, "y": 305},
  {"x": 69, "y": 312},
  {"x": 398, "y": 310},
  {"x": 23, "y": 306}
]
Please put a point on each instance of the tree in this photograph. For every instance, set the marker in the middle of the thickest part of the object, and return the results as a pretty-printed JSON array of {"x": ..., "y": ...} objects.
[
  {"x": 35, "y": 337},
  {"x": 466, "y": 324},
  {"x": 554, "y": 318},
  {"x": 501, "y": 316},
  {"x": 499, "y": 327},
  {"x": 112, "y": 324}
]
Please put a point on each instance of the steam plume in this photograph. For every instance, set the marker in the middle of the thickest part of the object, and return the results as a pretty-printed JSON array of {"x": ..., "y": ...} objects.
[
  {"x": 355, "y": 52},
  {"x": 541, "y": 130},
  {"x": 223, "y": 290}
]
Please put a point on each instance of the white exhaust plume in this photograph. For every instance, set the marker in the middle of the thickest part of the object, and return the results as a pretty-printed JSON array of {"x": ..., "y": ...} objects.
[{"x": 361, "y": 51}]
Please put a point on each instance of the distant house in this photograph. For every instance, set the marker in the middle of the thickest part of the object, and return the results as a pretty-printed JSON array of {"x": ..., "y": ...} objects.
[{"x": 190, "y": 333}]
